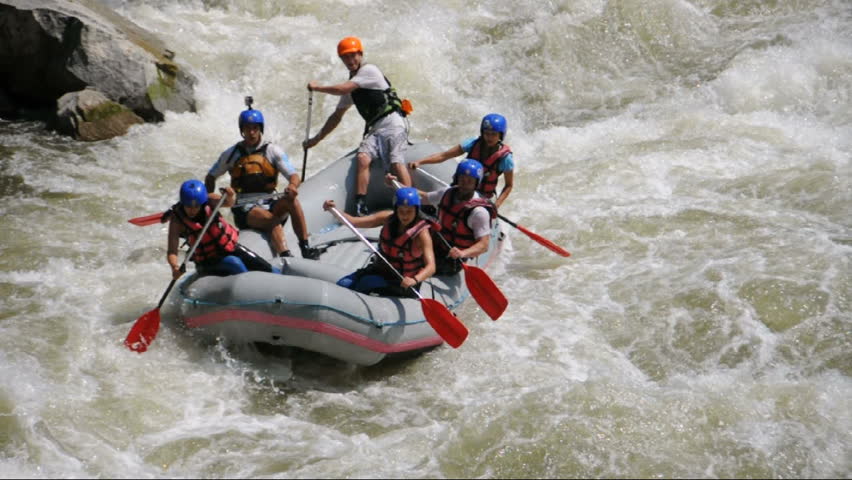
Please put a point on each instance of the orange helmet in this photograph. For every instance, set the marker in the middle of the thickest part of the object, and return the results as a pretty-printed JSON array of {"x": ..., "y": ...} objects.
[{"x": 349, "y": 45}]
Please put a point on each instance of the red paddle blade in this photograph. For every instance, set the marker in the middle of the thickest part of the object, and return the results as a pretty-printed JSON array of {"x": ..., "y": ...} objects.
[
  {"x": 143, "y": 331},
  {"x": 485, "y": 291},
  {"x": 450, "y": 328},
  {"x": 147, "y": 220},
  {"x": 543, "y": 241}
]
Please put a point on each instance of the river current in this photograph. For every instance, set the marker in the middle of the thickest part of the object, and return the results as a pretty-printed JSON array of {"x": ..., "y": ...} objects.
[{"x": 693, "y": 156}]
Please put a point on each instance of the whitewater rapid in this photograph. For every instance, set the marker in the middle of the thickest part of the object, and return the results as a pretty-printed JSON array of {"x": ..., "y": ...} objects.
[{"x": 693, "y": 156}]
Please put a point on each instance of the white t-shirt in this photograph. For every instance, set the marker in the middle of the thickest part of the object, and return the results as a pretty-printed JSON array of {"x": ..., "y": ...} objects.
[
  {"x": 479, "y": 220},
  {"x": 274, "y": 153},
  {"x": 370, "y": 77}
]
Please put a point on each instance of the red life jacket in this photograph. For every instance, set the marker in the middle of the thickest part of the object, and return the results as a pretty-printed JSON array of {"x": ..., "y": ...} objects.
[
  {"x": 402, "y": 252},
  {"x": 219, "y": 240},
  {"x": 488, "y": 185},
  {"x": 453, "y": 219}
]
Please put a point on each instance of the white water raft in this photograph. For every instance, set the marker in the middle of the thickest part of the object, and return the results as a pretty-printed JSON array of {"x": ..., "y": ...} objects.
[{"x": 304, "y": 307}]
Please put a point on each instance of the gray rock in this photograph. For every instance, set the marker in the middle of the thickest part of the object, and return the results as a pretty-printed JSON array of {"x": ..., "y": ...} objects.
[
  {"x": 89, "y": 115},
  {"x": 52, "y": 47}
]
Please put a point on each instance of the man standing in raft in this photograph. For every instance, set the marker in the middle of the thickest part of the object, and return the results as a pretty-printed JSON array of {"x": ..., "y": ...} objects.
[
  {"x": 494, "y": 155},
  {"x": 385, "y": 136},
  {"x": 254, "y": 167}
]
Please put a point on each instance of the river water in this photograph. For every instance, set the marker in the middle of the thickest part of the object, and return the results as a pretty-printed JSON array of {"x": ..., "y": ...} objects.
[{"x": 693, "y": 156}]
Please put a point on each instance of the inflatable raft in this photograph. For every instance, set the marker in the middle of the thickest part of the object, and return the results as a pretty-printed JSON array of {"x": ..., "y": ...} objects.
[{"x": 304, "y": 307}]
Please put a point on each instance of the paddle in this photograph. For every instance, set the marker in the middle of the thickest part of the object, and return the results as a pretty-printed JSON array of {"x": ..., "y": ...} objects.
[
  {"x": 307, "y": 133},
  {"x": 148, "y": 219},
  {"x": 158, "y": 217},
  {"x": 450, "y": 328},
  {"x": 486, "y": 293},
  {"x": 145, "y": 329},
  {"x": 538, "y": 238}
]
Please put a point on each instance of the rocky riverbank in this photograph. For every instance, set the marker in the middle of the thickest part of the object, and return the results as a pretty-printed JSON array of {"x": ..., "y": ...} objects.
[{"x": 86, "y": 70}]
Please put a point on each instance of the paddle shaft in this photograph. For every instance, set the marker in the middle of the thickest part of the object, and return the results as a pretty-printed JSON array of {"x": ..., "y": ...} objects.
[
  {"x": 307, "y": 133},
  {"x": 501, "y": 217}
]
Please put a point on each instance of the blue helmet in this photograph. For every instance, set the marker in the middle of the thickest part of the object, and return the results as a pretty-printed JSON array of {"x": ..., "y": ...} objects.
[
  {"x": 407, "y": 196},
  {"x": 469, "y": 167},
  {"x": 251, "y": 116},
  {"x": 193, "y": 193},
  {"x": 494, "y": 122}
]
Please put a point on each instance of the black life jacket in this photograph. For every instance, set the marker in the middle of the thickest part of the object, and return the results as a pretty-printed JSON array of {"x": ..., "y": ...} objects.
[{"x": 375, "y": 104}]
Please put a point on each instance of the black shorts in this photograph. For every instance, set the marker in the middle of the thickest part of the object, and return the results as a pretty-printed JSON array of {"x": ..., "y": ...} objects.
[{"x": 447, "y": 266}]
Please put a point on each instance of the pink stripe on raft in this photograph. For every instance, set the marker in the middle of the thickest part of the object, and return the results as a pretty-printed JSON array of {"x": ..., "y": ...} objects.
[{"x": 314, "y": 326}]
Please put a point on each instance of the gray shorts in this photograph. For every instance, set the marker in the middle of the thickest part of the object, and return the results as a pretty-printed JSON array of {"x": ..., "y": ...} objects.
[
  {"x": 241, "y": 212},
  {"x": 389, "y": 146}
]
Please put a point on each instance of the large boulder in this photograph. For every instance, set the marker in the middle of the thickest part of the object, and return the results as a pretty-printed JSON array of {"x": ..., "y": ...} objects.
[
  {"x": 89, "y": 115},
  {"x": 49, "y": 48}
]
